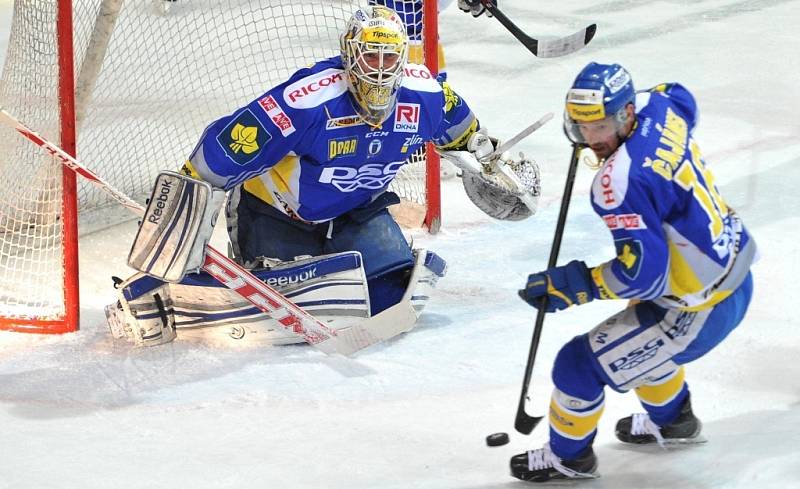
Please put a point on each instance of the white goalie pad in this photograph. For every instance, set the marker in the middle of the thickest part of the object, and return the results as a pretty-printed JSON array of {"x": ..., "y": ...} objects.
[
  {"x": 333, "y": 288},
  {"x": 146, "y": 320},
  {"x": 176, "y": 227}
]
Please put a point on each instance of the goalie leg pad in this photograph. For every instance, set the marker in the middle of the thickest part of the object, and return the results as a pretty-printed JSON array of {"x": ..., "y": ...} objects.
[
  {"x": 176, "y": 227},
  {"x": 147, "y": 320},
  {"x": 333, "y": 288}
]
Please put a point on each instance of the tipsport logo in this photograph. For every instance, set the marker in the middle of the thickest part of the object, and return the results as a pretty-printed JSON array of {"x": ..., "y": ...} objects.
[
  {"x": 406, "y": 118},
  {"x": 372, "y": 176}
]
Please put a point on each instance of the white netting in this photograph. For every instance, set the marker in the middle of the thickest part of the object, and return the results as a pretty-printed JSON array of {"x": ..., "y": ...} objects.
[{"x": 150, "y": 75}]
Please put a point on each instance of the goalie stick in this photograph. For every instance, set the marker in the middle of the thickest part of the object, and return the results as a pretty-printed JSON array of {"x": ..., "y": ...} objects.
[
  {"x": 229, "y": 273},
  {"x": 519, "y": 137},
  {"x": 544, "y": 48}
]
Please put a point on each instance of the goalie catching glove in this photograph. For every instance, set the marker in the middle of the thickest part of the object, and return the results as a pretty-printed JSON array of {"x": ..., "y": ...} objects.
[
  {"x": 498, "y": 185},
  {"x": 176, "y": 227}
]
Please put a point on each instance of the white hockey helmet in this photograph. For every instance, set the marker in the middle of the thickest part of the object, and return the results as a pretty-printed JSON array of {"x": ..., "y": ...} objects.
[{"x": 374, "y": 52}]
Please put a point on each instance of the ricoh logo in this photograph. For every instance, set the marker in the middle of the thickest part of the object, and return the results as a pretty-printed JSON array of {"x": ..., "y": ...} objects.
[
  {"x": 292, "y": 279},
  {"x": 406, "y": 118},
  {"x": 315, "y": 89},
  {"x": 372, "y": 176},
  {"x": 637, "y": 356},
  {"x": 314, "y": 86},
  {"x": 417, "y": 73},
  {"x": 605, "y": 184},
  {"x": 160, "y": 201}
]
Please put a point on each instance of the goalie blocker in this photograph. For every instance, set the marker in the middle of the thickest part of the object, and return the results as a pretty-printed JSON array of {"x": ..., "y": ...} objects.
[
  {"x": 333, "y": 288},
  {"x": 176, "y": 227}
]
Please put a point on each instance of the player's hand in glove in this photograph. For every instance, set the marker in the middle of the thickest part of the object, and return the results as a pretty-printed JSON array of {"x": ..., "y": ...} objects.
[
  {"x": 562, "y": 286},
  {"x": 475, "y": 7}
]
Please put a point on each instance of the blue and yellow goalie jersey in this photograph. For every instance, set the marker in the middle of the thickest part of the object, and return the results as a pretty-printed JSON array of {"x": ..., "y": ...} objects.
[
  {"x": 677, "y": 241},
  {"x": 302, "y": 149}
]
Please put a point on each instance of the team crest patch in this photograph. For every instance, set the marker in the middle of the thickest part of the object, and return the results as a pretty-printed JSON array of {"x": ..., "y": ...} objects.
[
  {"x": 243, "y": 138},
  {"x": 629, "y": 254},
  {"x": 451, "y": 99}
]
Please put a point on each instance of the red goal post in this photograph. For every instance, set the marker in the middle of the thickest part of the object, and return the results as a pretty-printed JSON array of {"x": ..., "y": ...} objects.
[{"x": 129, "y": 86}]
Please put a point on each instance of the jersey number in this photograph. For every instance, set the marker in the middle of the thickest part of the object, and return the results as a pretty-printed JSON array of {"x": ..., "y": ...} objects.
[{"x": 707, "y": 197}]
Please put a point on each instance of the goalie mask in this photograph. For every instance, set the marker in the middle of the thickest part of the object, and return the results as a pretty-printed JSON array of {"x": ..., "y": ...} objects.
[
  {"x": 374, "y": 52},
  {"x": 596, "y": 107}
]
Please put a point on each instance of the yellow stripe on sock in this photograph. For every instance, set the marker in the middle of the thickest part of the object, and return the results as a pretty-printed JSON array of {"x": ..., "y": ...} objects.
[
  {"x": 571, "y": 424},
  {"x": 663, "y": 392}
]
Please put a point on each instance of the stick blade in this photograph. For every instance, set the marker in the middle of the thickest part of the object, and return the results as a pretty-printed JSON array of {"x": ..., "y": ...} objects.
[
  {"x": 524, "y": 423},
  {"x": 554, "y": 48}
]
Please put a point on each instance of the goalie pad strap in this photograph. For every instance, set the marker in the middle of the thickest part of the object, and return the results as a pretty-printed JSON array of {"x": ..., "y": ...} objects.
[{"x": 176, "y": 227}]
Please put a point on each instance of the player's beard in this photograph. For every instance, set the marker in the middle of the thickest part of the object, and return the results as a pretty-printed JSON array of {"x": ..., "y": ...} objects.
[{"x": 603, "y": 149}]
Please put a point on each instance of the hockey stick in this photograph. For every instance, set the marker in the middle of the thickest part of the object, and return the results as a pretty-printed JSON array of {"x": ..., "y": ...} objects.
[
  {"x": 519, "y": 137},
  {"x": 524, "y": 423},
  {"x": 229, "y": 273},
  {"x": 544, "y": 48}
]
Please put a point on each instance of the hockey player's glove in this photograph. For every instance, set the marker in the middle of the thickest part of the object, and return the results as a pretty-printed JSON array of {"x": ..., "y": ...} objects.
[
  {"x": 562, "y": 287},
  {"x": 475, "y": 7}
]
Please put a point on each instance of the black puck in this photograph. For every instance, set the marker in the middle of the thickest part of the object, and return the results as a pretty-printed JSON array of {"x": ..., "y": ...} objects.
[{"x": 497, "y": 439}]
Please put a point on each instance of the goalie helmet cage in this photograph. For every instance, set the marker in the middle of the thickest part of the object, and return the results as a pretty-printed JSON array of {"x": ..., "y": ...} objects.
[{"x": 130, "y": 85}]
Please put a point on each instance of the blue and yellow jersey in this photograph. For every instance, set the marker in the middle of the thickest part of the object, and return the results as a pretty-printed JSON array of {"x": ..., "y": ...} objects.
[
  {"x": 302, "y": 148},
  {"x": 677, "y": 241}
]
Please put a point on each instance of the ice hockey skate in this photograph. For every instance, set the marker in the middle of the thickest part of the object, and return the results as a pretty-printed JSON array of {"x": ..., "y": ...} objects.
[
  {"x": 639, "y": 429},
  {"x": 542, "y": 465}
]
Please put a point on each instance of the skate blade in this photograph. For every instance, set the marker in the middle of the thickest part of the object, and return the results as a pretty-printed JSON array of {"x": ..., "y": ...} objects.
[
  {"x": 680, "y": 442},
  {"x": 567, "y": 482}
]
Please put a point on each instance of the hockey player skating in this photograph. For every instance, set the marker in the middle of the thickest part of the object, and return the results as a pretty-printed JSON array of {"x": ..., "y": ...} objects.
[
  {"x": 307, "y": 166},
  {"x": 683, "y": 255}
]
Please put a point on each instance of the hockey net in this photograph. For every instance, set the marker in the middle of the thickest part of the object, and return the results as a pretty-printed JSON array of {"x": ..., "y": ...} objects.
[{"x": 149, "y": 75}]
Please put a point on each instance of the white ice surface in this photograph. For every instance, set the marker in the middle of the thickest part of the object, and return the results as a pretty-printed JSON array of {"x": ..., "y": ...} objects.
[{"x": 80, "y": 411}]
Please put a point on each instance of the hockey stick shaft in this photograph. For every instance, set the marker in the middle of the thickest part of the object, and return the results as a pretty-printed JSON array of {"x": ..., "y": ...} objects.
[
  {"x": 507, "y": 145},
  {"x": 544, "y": 48},
  {"x": 524, "y": 423},
  {"x": 226, "y": 271}
]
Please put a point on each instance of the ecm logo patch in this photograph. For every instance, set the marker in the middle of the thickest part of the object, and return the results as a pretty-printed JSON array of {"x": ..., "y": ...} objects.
[{"x": 243, "y": 138}]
